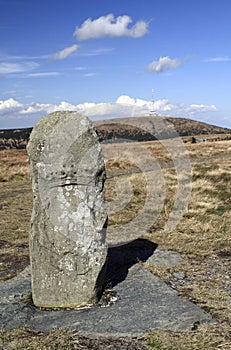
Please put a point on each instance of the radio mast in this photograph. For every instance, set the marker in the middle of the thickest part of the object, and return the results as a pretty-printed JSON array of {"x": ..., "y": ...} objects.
[{"x": 152, "y": 111}]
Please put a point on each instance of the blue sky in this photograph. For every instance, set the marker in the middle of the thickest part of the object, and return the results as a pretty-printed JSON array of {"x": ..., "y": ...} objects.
[{"x": 104, "y": 57}]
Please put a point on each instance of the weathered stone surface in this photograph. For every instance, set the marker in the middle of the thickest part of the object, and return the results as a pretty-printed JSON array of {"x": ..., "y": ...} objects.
[
  {"x": 144, "y": 303},
  {"x": 68, "y": 224},
  {"x": 165, "y": 258}
]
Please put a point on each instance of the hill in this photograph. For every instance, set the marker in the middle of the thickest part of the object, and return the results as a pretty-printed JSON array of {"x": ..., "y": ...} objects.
[
  {"x": 154, "y": 127},
  {"x": 135, "y": 128}
]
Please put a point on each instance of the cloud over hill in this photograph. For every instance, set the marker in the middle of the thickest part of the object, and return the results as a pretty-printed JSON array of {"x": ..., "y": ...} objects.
[{"x": 16, "y": 114}]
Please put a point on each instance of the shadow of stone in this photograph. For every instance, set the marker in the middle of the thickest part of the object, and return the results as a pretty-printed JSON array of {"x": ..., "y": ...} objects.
[{"x": 121, "y": 258}]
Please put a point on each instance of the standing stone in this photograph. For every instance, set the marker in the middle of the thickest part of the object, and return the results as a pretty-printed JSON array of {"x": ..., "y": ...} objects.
[{"x": 68, "y": 225}]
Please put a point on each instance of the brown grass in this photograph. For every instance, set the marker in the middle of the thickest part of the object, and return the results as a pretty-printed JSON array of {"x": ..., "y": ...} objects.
[
  {"x": 208, "y": 149},
  {"x": 135, "y": 203},
  {"x": 202, "y": 237},
  {"x": 203, "y": 338},
  {"x": 13, "y": 165}
]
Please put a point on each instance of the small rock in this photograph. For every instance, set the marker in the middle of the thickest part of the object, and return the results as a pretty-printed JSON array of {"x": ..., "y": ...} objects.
[
  {"x": 179, "y": 275},
  {"x": 164, "y": 258}
]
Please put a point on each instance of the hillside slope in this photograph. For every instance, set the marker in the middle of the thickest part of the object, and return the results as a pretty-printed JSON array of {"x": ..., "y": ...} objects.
[
  {"x": 154, "y": 127},
  {"x": 135, "y": 128}
]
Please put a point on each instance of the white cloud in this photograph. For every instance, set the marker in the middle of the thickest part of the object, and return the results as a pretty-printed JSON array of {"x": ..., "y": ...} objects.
[
  {"x": 8, "y": 67},
  {"x": 80, "y": 68},
  {"x": 124, "y": 106},
  {"x": 9, "y": 92},
  {"x": 9, "y": 106},
  {"x": 42, "y": 74},
  {"x": 65, "y": 52},
  {"x": 194, "y": 108},
  {"x": 163, "y": 64},
  {"x": 125, "y": 100},
  {"x": 218, "y": 59},
  {"x": 90, "y": 75},
  {"x": 98, "y": 52},
  {"x": 36, "y": 108},
  {"x": 23, "y": 57},
  {"x": 164, "y": 106},
  {"x": 110, "y": 26},
  {"x": 144, "y": 106}
]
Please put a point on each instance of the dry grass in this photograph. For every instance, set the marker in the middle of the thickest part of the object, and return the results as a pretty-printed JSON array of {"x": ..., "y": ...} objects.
[
  {"x": 25, "y": 338},
  {"x": 202, "y": 237},
  {"x": 121, "y": 155},
  {"x": 134, "y": 198},
  {"x": 204, "y": 338},
  {"x": 15, "y": 207},
  {"x": 13, "y": 165},
  {"x": 208, "y": 149},
  {"x": 61, "y": 339}
]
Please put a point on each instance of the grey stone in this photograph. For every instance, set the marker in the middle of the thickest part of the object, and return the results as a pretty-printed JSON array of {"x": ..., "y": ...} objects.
[
  {"x": 145, "y": 303},
  {"x": 141, "y": 303},
  {"x": 15, "y": 289},
  {"x": 68, "y": 224},
  {"x": 179, "y": 275},
  {"x": 13, "y": 292},
  {"x": 165, "y": 258}
]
